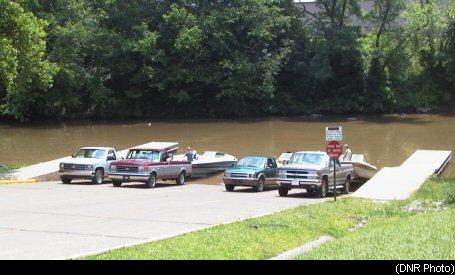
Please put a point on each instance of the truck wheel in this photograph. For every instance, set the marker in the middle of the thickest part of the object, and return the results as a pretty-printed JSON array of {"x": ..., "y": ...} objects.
[
  {"x": 347, "y": 186},
  {"x": 181, "y": 179},
  {"x": 259, "y": 187},
  {"x": 66, "y": 180},
  {"x": 117, "y": 183},
  {"x": 229, "y": 187},
  {"x": 151, "y": 182},
  {"x": 322, "y": 190},
  {"x": 99, "y": 176},
  {"x": 283, "y": 192}
]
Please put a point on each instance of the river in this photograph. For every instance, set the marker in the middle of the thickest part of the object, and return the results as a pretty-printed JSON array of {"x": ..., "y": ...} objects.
[{"x": 386, "y": 140}]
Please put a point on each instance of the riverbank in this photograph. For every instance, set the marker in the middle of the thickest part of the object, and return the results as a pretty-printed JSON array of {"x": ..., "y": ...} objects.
[
  {"x": 179, "y": 119},
  {"x": 356, "y": 224},
  {"x": 5, "y": 168}
]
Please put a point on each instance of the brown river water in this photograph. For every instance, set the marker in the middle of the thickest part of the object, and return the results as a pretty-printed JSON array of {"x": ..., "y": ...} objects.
[{"x": 386, "y": 140}]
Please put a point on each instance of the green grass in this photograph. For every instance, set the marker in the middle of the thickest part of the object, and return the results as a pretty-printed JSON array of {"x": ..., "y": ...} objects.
[
  {"x": 422, "y": 236},
  {"x": 427, "y": 234},
  {"x": 391, "y": 232},
  {"x": 436, "y": 189},
  {"x": 4, "y": 168}
]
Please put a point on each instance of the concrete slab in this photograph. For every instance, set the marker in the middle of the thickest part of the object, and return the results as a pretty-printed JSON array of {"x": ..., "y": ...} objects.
[
  {"x": 393, "y": 183},
  {"x": 56, "y": 221},
  {"x": 52, "y": 166},
  {"x": 435, "y": 159},
  {"x": 398, "y": 183}
]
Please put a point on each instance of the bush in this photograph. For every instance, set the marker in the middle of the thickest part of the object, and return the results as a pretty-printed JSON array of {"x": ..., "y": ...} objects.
[{"x": 449, "y": 191}]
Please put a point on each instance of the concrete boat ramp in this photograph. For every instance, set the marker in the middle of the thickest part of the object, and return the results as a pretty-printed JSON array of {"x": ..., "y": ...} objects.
[
  {"x": 48, "y": 167},
  {"x": 398, "y": 183}
]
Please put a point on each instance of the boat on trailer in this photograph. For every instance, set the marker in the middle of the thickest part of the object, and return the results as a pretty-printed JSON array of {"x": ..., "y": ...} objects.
[
  {"x": 362, "y": 169},
  {"x": 209, "y": 162}
]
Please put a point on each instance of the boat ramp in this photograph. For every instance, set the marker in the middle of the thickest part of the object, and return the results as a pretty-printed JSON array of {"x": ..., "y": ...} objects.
[
  {"x": 398, "y": 183},
  {"x": 52, "y": 166},
  {"x": 390, "y": 183}
]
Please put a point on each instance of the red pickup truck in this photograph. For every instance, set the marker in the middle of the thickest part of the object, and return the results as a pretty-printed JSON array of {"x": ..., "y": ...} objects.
[{"x": 148, "y": 163}]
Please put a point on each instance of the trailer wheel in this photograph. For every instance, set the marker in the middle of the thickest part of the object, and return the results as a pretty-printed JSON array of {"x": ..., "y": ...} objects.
[
  {"x": 283, "y": 191},
  {"x": 151, "y": 182}
]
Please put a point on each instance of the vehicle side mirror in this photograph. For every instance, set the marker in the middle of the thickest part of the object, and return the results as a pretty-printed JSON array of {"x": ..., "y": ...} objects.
[{"x": 73, "y": 155}]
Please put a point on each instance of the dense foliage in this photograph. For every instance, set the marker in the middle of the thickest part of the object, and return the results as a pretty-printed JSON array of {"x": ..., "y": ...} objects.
[{"x": 225, "y": 58}]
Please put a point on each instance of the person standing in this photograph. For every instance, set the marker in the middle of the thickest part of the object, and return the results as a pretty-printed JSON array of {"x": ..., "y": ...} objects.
[
  {"x": 190, "y": 154},
  {"x": 347, "y": 153}
]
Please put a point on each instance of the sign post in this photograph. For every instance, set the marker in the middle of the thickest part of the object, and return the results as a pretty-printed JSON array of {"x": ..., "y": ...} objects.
[{"x": 334, "y": 150}]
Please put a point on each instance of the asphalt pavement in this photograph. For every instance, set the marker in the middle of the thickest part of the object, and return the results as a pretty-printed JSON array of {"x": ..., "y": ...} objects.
[{"x": 50, "y": 220}]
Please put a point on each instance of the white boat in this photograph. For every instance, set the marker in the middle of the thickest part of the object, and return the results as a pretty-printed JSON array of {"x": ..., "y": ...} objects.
[
  {"x": 209, "y": 162},
  {"x": 284, "y": 158},
  {"x": 362, "y": 169}
]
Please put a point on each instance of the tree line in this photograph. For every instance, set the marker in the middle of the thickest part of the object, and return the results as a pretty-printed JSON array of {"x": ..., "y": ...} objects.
[{"x": 223, "y": 58}]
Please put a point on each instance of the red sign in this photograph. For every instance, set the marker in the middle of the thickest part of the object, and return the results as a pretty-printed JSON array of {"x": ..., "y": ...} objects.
[{"x": 334, "y": 149}]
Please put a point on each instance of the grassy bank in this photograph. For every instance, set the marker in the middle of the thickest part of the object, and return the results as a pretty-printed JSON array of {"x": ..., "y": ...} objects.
[
  {"x": 265, "y": 237},
  {"x": 424, "y": 228},
  {"x": 4, "y": 168}
]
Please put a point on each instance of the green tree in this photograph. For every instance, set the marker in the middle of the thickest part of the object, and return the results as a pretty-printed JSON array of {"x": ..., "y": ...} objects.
[
  {"x": 25, "y": 74},
  {"x": 383, "y": 19}
]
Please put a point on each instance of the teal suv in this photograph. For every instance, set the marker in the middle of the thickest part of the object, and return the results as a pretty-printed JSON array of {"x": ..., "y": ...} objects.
[{"x": 255, "y": 171}]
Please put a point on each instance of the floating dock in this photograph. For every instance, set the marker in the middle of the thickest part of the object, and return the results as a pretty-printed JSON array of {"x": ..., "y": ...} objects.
[
  {"x": 398, "y": 183},
  {"x": 48, "y": 167}
]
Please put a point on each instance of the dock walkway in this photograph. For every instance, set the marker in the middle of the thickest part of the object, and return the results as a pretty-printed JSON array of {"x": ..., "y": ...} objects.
[{"x": 398, "y": 183}]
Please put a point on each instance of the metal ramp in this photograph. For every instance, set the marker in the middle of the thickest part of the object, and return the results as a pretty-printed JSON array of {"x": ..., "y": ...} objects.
[{"x": 398, "y": 183}]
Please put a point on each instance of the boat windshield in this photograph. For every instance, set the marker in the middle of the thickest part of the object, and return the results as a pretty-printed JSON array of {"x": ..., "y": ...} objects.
[
  {"x": 251, "y": 162},
  {"x": 311, "y": 158},
  {"x": 143, "y": 154},
  {"x": 91, "y": 153}
]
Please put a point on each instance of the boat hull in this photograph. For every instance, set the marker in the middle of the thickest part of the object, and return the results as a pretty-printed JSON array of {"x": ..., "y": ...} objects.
[
  {"x": 364, "y": 171},
  {"x": 205, "y": 169}
]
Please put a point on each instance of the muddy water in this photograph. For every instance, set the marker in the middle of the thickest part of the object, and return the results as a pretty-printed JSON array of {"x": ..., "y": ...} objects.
[{"x": 386, "y": 140}]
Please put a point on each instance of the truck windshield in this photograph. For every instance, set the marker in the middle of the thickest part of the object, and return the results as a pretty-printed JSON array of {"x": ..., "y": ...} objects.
[
  {"x": 143, "y": 154},
  {"x": 252, "y": 162},
  {"x": 91, "y": 153},
  {"x": 307, "y": 158}
]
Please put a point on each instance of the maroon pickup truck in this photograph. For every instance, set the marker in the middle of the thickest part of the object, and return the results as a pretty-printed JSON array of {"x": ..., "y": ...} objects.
[{"x": 148, "y": 163}]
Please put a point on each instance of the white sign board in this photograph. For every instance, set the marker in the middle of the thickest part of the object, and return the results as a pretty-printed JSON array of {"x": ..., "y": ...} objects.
[{"x": 333, "y": 133}]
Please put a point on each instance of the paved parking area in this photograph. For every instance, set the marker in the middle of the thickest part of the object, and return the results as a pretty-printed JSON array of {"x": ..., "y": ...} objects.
[{"x": 55, "y": 221}]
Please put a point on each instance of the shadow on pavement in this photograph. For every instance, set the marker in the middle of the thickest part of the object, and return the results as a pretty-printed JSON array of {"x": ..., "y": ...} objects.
[{"x": 140, "y": 185}]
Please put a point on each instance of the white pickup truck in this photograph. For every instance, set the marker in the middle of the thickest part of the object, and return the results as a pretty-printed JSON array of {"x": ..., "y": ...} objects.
[{"x": 88, "y": 163}]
